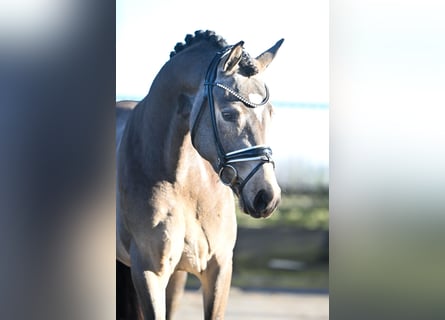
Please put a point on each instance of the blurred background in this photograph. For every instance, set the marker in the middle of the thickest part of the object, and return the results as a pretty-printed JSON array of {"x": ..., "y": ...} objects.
[{"x": 290, "y": 250}]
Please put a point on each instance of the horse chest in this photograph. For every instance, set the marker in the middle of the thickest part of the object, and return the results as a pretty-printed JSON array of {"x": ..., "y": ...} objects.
[
  {"x": 205, "y": 240},
  {"x": 195, "y": 255}
]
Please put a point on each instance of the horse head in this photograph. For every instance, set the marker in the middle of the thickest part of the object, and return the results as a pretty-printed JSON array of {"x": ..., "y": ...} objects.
[{"x": 229, "y": 123}]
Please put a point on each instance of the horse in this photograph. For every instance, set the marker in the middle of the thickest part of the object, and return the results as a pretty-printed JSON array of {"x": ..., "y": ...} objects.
[{"x": 196, "y": 140}]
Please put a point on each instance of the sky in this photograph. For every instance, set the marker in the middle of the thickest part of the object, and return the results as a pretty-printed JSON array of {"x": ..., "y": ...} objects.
[{"x": 147, "y": 31}]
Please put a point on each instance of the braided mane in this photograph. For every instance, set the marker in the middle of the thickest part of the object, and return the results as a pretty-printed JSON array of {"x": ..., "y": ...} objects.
[
  {"x": 247, "y": 65},
  {"x": 200, "y": 35}
]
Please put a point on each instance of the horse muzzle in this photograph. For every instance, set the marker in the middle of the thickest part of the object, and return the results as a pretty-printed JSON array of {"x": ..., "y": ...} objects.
[{"x": 264, "y": 202}]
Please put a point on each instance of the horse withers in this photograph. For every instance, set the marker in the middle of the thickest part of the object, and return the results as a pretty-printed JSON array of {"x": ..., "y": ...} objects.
[{"x": 194, "y": 141}]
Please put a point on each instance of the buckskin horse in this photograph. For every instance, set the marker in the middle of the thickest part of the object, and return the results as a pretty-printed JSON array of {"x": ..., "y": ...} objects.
[{"x": 197, "y": 139}]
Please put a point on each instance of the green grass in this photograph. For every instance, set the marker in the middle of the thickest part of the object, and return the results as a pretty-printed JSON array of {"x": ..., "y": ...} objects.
[
  {"x": 312, "y": 278},
  {"x": 299, "y": 210}
]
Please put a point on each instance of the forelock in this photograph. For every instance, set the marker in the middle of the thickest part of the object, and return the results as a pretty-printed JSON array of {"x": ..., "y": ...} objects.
[{"x": 247, "y": 66}]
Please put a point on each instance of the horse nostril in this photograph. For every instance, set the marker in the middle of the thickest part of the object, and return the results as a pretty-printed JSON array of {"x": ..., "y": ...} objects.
[{"x": 262, "y": 200}]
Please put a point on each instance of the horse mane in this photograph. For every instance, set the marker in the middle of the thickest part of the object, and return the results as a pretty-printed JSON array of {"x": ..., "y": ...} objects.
[
  {"x": 247, "y": 65},
  {"x": 200, "y": 35}
]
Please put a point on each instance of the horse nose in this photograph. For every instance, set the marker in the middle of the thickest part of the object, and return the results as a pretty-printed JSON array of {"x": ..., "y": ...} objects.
[{"x": 264, "y": 203}]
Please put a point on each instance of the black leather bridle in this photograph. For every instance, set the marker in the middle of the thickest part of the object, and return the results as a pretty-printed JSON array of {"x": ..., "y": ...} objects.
[{"x": 260, "y": 153}]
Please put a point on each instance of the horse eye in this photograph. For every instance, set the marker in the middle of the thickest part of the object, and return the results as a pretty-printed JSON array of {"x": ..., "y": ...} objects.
[{"x": 229, "y": 116}]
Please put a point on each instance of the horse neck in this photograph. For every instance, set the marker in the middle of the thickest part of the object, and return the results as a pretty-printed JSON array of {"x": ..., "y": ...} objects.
[{"x": 162, "y": 122}]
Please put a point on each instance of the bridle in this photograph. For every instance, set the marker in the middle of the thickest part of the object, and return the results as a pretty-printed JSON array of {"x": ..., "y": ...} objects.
[{"x": 226, "y": 161}]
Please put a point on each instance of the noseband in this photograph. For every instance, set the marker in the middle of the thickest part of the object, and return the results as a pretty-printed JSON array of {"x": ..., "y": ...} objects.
[{"x": 260, "y": 153}]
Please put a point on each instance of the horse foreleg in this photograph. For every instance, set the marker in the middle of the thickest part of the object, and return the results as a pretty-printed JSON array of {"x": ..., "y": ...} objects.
[
  {"x": 150, "y": 288},
  {"x": 175, "y": 289},
  {"x": 216, "y": 286}
]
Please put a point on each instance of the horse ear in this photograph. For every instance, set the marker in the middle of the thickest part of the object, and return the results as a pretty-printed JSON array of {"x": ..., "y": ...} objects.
[
  {"x": 234, "y": 57},
  {"x": 264, "y": 59}
]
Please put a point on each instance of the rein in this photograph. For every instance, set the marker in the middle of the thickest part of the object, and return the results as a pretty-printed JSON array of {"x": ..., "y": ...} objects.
[{"x": 228, "y": 174}]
